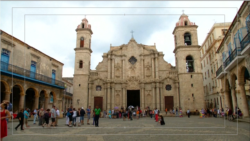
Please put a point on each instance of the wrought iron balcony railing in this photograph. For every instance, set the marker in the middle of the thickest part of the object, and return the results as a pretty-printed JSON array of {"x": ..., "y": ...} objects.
[
  {"x": 232, "y": 56},
  {"x": 69, "y": 94},
  {"x": 219, "y": 71},
  {"x": 21, "y": 71},
  {"x": 245, "y": 41}
]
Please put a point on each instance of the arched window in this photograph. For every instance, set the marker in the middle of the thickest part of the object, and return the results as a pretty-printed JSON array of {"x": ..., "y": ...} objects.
[
  {"x": 98, "y": 88},
  {"x": 187, "y": 39},
  {"x": 82, "y": 25},
  {"x": 189, "y": 64},
  {"x": 80, "y": 64},
  {"x": 81, "y": 42},
  {"x": 186, "y": 23}
]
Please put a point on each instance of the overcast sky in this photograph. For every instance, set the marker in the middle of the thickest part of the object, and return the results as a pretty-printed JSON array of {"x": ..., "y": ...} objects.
[{"x": 52, "y": 30}]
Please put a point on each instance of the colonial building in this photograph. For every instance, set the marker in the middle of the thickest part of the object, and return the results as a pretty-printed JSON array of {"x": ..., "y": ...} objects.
[
  {"x": 234, "y": 62},
  {"x": 68, "y": 92},
  {"x": 136, "y": 74},
  {"x": 29, "y": 78},
  {"x": 209, "y": 65}
]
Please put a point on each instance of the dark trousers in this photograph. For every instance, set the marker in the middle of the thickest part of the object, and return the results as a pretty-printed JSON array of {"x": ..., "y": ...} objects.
[
  {"x": 20, "y": 123},
  {"x": 96, "y": 120},
  {"x": 151, "y": 115},
  {"x": 188, "y": 115}
]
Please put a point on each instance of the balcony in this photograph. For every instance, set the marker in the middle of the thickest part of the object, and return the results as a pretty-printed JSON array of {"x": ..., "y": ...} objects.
[
  {"x": 220, "y": 72},
  {"x": 233, "y": 59},
  {"x": 68, "y": 94},
  {"x": 245, "y": 45},
  {"x": 22, "y": 73}
]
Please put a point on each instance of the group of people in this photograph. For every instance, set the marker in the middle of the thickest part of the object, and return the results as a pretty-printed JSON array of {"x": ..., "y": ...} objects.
[{"x": 75, "y": 117}]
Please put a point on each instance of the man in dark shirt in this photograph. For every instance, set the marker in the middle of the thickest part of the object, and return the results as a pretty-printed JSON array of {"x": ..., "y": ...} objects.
[
  {"x": 70, "y": 116},
  {"x": 82, "y": 113},
  {"x": 20, "y": 116}
]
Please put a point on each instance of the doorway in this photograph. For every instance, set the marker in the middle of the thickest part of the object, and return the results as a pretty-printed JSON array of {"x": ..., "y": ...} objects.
[
  {"x": 98, "y": 101},
  {"x": 133, "y": 98},
  {"x": 169, "y": 102}
]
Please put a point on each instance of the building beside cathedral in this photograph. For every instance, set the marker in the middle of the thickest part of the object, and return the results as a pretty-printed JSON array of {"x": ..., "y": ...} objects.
[{"x": 136, "y": 74}]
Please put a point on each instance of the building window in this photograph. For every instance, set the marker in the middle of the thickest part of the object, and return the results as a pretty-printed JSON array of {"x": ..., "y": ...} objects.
[
  {"x": 186, "y": 23},
  {"x": 201, "y": 66},
  {"x": 81, "y": 42},
  {"x": 187, "y": 39},
  {"x": 191, "y": 76},
  {"x": 5, "y": 59},
  {"x": 82, "y": 25},
  {"x": 80, "y": 64},
  {"x": 192, "y": 85},
  {"x": 132, "y": 60},
  {"x": 53, "y": 76},
  {"x": 189, "y": 64},
  {"x": 98, "y": 88},
  {"x": 175, "y": 39},
  {"x": 33, "y": 69},
  {"x": 168, "y": 87},
  {"x": 224, "y": 31}
]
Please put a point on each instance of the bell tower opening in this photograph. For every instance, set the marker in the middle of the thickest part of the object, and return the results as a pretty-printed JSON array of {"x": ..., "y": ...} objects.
[{"x": 187, "y": 38}]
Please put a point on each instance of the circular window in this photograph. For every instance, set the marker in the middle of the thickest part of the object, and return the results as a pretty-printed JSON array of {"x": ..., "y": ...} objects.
[{"x": 168, "y": 87}]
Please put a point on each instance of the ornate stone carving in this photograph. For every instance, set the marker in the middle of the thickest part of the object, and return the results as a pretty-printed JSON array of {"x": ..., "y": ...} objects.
[
  {"x": 132, "y": 69},
  {"x": 148, "y": 69},
  {"x": 133, "y": 82},
  {"x": 117, "y": 70},
  {"x": 117, "y": 100}
]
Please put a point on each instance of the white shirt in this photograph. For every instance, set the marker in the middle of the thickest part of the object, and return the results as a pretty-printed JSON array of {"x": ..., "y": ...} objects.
[
  {"x": 156, "y": 111},
  {"x": 218, "y": 111},
  {"x": 35, "y": 112},
  {"x": 74, "y": 113},
  {"x": 57, "y": 112}
]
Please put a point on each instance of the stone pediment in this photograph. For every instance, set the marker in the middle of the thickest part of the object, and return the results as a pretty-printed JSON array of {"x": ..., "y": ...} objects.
[
  {"x": 97, "y": 79},
  {"x": 168, "y": 78}
]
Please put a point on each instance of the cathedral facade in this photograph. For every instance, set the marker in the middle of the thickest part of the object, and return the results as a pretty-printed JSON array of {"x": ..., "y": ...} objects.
[{"x": 136, "y": 74}]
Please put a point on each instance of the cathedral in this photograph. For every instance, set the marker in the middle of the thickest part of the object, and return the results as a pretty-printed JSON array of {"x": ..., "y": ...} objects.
[{"x": 136, "y": 74}]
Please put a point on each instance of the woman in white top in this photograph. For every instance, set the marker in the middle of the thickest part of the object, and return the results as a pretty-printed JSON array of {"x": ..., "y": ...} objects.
[
  {"x": 67, "y": 118},
  {"x": 74, "y": 116}
]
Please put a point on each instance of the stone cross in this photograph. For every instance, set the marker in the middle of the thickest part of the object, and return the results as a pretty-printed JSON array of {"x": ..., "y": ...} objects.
[{"x": 132, "y": 33}]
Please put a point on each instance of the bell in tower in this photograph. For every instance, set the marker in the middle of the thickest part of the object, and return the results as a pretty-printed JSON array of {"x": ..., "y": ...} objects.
[{"x": 187, "y": 39}]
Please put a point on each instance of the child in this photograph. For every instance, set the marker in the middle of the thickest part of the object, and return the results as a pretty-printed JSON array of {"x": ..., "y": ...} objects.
[
  {"x": 180, "y": 113},
  {"x": 93, "y": 117},
  {"x": 161, "y": 120}
]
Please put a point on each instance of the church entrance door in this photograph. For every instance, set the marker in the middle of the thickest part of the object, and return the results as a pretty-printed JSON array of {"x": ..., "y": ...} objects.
[
  {"x": 169, "y": 102},
  {"x": 98, "y": 102},
  {"x": 133, "y": 98}
]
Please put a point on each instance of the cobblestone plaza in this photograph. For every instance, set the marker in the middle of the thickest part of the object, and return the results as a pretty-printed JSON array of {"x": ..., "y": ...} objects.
[{"x": 146, "y": 129}]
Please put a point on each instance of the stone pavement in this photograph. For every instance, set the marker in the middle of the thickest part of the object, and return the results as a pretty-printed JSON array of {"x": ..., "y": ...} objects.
[{"x": 146, "y": 129}]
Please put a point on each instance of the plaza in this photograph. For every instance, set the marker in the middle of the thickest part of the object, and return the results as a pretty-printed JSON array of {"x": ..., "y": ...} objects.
[{"x": 176, "y": 128}]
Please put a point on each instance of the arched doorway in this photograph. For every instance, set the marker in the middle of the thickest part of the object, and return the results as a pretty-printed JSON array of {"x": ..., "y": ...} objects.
[
  {"x": 230, "y": 101},
  {"x": 30, "y": 98},
  {"x": 244, "y": 87},
  {"x": 42, "y": 99},
  {"x": 15, "y": 97}
]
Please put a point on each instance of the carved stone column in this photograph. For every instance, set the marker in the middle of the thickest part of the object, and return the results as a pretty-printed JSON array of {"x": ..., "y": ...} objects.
[
  {"x": 108, "y": 97},
  {"x": 46, "y": 103},
  {"x": 153, "y": 67},
  {"x": 142, "y": 74},
  {"x": 90, "y": 95},
  {"x": 113, "y": 68},
  {"x": 157, "y": 96},
  {"x": 21, "y": 101},
  {"x": 177, "y": 96},
  {"x": 243, "y": 100},
  {"x": 233, "y": 98},
  {"x": 7, "y": 95},
  {"x": 153, "y": 94},
  {"x": 142, "y": 96},
  {"x": 113, "y": 96},
  {"x": 123, "y": 69},
  {"x": 109, "y": 71},
  {"x": 156, "y": 66},
  {"x": 162, "y": 96},
  {"x": 36, "y": 102},
  {"x": 124, "y": 95}
]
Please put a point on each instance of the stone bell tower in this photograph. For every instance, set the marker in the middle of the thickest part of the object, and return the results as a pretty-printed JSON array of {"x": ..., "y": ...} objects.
[
  {"x": 82, "y": 64},
  {"x": 187, "y": 57}
]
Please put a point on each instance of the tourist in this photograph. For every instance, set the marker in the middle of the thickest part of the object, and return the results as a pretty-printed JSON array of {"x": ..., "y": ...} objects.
[
  {"x": 67, "y": 117},
  {"x": 70, "y": 114},
  {"x": 161, "y": 120},
  {"x": 110, "y": 113},
  {"x": 53, "y": 116},
  {"x": 137, "y": 114},
  {"x": 176, "y": 112},
  {"x": 35, "y": 115},
  {"x": 46, "y": 118},
  {"x": 4, "y": 114},
  {"x": 130, "y": 115},
  {"x": 125, "y": 115},
  {"x": 82, "y": 113},
  {"x": 222, "y": 112},
  {"x": 181, "y": 113},
  {"x": 188, "y": 113},
  {"x": 151, "y": 113},
  {"x": 20, "y": 117},
  {"x": 97, "y": 114},
  {"x": 156, "y": 115},
  {"x": 41, "y": 119},
  {"x": 74, "y": 117},
  {"x": 78, "y": 121},
  {"x": 218, "y": 112},
  {"x": 26, "y": 116},
  {"x": 93, "y": 117},
  {"x": 57, "y": 115},
  {"x": 166, "y": 110},
  {"x": 88, "y": 114},
  {"x": 173, "y": 111},
  {"x": 105, "y": 114}
]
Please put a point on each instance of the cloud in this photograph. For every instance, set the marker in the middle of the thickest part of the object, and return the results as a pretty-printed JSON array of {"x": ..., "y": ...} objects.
[{"x": 55, "y": 34}]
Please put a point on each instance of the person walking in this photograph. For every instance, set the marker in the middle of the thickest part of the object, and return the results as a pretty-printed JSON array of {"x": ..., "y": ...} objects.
[
  {"x": 188, "y": 113},
  {"x": 41, "y": 119},
  {"x": 74, "y": 117},
  {"x": 57, "y": 115},
  {"x": 176, "y": 112},
  {"x": 35, "y": 115},
  {"x": 97, "y": 114},
  {"x": 26, "y": 116},
  {"x": 3, "y": 123},
  {"x": 67, "y": 117},
  {"x": 70, "y": 114},
  {"x": 53, "y": 116},
  {"x": 46, "y": 118},
  {"x": 166, "y": 110},
  {"x": 20, "y": 117},
  {"x": 156, "y": 114},
  {"x": 78, "y": 121},
  {"x": 88, "y": 114},
  {"x": 82, "y": 113}
]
